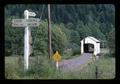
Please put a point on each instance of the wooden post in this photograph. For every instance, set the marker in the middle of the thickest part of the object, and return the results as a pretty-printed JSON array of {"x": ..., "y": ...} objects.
[
  {"x": 57, "y": 65},
  {"x": 26, "y": 42},
  {"x": 49, "y": 32},
  {"x": 96, "y": 72},
  {"x": 27, "y": 34}
]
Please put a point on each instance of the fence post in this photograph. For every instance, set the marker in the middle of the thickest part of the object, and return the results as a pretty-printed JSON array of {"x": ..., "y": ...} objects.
[{"x": 96, "y": 72}]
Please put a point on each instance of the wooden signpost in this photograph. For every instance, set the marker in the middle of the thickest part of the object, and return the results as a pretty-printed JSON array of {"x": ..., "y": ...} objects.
[{"x": 27, "y": 23}]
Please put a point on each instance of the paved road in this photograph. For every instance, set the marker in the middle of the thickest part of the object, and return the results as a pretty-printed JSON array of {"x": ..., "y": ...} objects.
[{"x": 75, "y": 63}]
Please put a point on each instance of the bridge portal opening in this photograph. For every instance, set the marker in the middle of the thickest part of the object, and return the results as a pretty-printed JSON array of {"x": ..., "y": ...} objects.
[{"x": 88, "y": 48}]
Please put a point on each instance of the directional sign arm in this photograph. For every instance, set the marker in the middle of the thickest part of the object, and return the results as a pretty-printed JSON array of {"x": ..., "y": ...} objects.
[
  {"x": 31, "y": 14},
  {"x": 31, "y": 22},
  {"x": 18, "y": 23}
]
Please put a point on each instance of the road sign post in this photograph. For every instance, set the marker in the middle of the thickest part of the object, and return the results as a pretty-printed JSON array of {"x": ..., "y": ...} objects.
[
  {"x": 27, "y": 23},
  {"x": 57, "y": 65}
]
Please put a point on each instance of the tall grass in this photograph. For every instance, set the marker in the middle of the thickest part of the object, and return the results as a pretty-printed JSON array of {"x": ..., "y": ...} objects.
[
  {"x": 106, "y": 70},
  {"x": 43, "y": 68},
  {"x": 39, "y": 67}
]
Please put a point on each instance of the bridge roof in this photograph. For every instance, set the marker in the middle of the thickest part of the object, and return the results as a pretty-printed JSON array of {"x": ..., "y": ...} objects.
[{"x": 92, "y": 38}]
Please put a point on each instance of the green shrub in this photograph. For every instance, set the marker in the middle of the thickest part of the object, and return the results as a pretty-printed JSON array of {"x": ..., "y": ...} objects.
[
  {"x": 40, "y": 38},
  {"x": 76, "y": 52},
  {"x": 67, "y": 54}
]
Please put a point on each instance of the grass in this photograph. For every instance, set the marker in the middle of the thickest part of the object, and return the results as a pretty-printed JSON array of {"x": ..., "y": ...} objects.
[
  {"x": 106, "y": 70},
  {"x": 42, "y": 68},
  {"x": 37, "y": 69}
]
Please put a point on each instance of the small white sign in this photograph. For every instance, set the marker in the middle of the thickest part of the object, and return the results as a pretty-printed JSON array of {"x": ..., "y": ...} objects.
[{"x": 31, "y": 14}]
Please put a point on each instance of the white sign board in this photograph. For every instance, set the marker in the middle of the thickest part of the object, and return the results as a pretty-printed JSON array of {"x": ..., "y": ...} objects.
[
  {"x": 31, "y": 14},
  {"x": 34, "y": 24},
  {"x": 31, "y": 22},
  {"x": 18, "y": 20},
  {"x": 18, "y": 23}
]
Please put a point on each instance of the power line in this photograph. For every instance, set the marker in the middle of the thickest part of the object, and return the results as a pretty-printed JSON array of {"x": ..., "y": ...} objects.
[
  {"x": 42, "y": 12},
  {"x": 40, "y": 21}
]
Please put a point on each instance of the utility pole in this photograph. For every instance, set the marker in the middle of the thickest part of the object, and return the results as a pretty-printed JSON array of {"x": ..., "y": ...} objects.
[{"x": 49, "y": 32}]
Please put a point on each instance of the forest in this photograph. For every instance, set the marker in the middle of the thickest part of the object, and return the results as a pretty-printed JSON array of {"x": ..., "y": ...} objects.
[{"x": 70, "y": 24}]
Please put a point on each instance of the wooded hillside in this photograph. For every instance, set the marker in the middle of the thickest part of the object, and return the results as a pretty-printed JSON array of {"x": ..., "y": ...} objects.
[{"x": 70, "y": 24}]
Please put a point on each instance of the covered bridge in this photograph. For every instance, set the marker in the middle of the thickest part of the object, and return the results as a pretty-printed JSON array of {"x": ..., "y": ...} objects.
[{"x": 90, "y": 45}]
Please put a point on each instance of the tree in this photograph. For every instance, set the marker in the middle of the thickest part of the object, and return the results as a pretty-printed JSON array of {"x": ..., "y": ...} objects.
[
  {"x": 67, "y": 30},
  {"x": 83, "y": 30},
  {"x": 59, "y": 39},
  {"x": 75, "y": 37},
  {"x": 111, "y": 41},
  {"x": 40, "y": 39},
  {"x": 13, "y": 39}
]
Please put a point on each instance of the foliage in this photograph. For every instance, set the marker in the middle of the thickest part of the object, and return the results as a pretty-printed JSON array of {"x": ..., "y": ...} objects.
[
  {"x": 111, "y": 41},
  {"x": 40, "y": 38},
  {"x": 59, "y": 40},
  {"x": 13, "y": 39},
  {"x": 67, "y": 13},
  {"x": 76, "y": 52}
]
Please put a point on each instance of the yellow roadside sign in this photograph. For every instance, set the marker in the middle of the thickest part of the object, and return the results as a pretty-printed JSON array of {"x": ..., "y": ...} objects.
[{"x": 56, "y": 56}]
